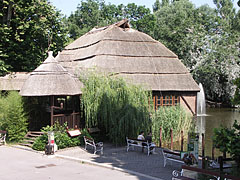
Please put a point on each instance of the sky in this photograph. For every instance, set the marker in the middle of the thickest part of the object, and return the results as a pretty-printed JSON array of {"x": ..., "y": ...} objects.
[{"x": 68, "y": 6}]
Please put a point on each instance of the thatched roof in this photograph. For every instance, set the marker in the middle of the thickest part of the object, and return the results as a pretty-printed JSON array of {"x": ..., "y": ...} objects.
[
  {"x": 121, "y": 50},
  {"x": 13, "y": 81},
  {"x": 50, "y": 78}
]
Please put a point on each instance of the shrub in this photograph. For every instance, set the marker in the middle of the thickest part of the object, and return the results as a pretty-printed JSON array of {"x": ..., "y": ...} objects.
[
  {"x": 40, "y": 142},
  {"x": 227, "y": 140},
  {"x": 62, "y": 139},
  {"x": 174, "y": 117},
  {"x": 12, "y": 117}
]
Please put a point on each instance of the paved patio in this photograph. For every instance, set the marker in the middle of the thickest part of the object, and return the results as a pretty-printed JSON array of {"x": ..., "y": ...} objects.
[{"x": 118, "y": 157}]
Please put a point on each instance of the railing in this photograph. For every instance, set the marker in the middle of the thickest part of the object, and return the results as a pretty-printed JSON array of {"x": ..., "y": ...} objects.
[{"x": 72, "y": 120}]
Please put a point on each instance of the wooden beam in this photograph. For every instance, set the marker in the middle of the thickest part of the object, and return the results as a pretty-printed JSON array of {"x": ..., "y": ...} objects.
[{"x": 189, "y": 107}]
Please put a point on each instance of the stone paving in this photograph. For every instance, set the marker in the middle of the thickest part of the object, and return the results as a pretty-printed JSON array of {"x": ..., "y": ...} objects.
[{"x": 134, "y": 160}]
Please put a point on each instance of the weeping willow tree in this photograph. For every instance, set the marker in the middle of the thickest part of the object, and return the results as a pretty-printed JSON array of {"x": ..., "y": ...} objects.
[
  {"x": 174, "y": 117},
  {"x": 118, "y": 108}
]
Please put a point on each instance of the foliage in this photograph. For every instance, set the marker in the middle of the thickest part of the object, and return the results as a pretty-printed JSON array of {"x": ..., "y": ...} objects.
[
  {"x": 236, "y": 98},
  {"x": 227, "y": 140},
  {"x": 62, "y": 139},
  {"x": 115, "y": 107},
  {"x": 175, "y": 20},
  {"x": 94, "y": 13},
  {"x": 40, "y": 143},
  {"x": 174, "y": 117},
  {"x": 12, "y": 116},
  {"x": 207, "y": 42},
  {"x": 28, "y": 29}
]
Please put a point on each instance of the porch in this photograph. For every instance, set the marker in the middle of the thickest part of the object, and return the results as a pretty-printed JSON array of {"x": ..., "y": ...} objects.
[{"x": 72, "y": 120}]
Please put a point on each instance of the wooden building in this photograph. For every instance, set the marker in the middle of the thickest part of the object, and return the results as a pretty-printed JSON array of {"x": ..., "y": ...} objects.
[
  {"x": 55, "y": 94},
  {"x": 122, "y": 51},
  {"x": 117, "y": 50}
]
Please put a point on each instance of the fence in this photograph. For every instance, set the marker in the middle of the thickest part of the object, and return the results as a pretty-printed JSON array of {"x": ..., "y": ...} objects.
[{"x": 72, "y": 120}]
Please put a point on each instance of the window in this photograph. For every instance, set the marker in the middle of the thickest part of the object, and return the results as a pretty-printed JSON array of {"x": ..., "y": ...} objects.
[{"x": 165, "y": 100}]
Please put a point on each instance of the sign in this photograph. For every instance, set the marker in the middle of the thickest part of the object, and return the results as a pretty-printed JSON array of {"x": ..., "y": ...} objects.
[
  {"x": 193, "y": 139},
  {"x": 74, "y": 133}
]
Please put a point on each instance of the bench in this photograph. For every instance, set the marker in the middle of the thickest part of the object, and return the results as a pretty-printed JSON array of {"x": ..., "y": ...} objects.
[
  {"x": 171, "y": 156},
  {"x": 96, "y": 146},
  {"x": 216, "y": 175},
  {"x": 93, "y": 130},
  {"x": 140, "y": 143},
  {"x": 3, "y": 137}
]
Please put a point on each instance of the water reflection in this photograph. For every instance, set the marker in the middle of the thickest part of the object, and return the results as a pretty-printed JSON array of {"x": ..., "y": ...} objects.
[{"x": 215, "y": 117}]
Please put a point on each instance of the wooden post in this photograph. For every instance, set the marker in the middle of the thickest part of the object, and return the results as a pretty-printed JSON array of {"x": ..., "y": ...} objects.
[
  {"x": 220, "y": 161},
  {"x": 224, "y": 155},
  {"x": 160, "y": 137},
  {"x": 171, "y": 132},
  {"x": 182, "y": 139},
  {"x": 51, "y": 115},
  {"x": 203, "y": 152},
  {"x": 52, "y": 108},
  {"x": 74, "y": 124}
]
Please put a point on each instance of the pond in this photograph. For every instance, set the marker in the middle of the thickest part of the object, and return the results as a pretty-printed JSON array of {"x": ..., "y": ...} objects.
[{"x": 213, "y": 119}]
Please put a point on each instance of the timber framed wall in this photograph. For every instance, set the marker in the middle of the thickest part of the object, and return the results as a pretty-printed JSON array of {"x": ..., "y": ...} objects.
[{"x": 188, "y": 100}]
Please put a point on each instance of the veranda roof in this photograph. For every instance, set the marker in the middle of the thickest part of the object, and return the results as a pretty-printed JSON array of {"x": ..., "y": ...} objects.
[
  {"x": 50, "y": 78},
  {"x": 122, "y": 51}
]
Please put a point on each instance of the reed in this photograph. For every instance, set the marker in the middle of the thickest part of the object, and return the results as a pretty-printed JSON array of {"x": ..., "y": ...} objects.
[{"x": 174, "y": 117}]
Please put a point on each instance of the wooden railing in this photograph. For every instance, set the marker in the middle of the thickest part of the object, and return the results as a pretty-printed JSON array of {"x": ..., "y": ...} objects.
[{"x": 73, "y": 120}]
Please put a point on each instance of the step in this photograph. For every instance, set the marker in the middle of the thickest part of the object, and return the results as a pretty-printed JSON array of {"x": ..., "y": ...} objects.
[
  {"x": 28, "y": 141},
  {"x": 33, "y": 135},
  {"x": 30, "y": 138},
  {"x": 23, "y": 144},
  {"x": 36, "y": 132}
]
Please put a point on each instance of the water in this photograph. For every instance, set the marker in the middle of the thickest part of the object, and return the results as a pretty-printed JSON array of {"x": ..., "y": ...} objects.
[
  {"x": 201, "y": 104},
  {"x": 214, "y": 118}
]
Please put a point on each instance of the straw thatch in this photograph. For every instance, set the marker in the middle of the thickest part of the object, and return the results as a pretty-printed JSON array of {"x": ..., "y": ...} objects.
[
  {"x": 120, "y": 50},
  {"x": 13, "y": 81},
  {"x": 50, "y": 78}
]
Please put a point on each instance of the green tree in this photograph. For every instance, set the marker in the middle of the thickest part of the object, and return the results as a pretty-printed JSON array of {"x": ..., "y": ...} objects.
[
  {"x": 207, "y": 42},
  {"x": 12, "y": 116},
  {"x": 173, "y": 23},
  {"x": 94, "y": 13},
  {"x": 156, "y": 6},
  {"x": 119, "y": 109},
  {"x": 29, "y": 28},
  {"x": 215, "y": 57}
]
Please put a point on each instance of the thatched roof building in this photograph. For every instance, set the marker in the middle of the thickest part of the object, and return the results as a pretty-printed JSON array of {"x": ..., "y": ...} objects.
[
  {"x": 122, "y": 51},
  {"x": 13, "y": 81},
  {"x": 50, "y": 79},
  {"x": 126, "y": 52}
]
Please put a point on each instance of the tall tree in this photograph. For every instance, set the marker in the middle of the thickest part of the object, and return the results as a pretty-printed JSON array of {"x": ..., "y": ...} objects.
[
  {"x": 173, "y": 23},
  {"x": 29, "y": 28},
  {"x": 94, "y": 13},
  {"x": 207, "y": 42},
  {"x": 156, "y": 6}
]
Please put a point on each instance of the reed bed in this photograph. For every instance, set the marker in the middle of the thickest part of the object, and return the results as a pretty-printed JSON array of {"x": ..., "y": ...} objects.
[{"x": 172, "y": 117}]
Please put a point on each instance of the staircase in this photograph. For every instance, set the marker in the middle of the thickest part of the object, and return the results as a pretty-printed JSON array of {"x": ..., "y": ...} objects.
[{"x": 30, "y": 137}]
